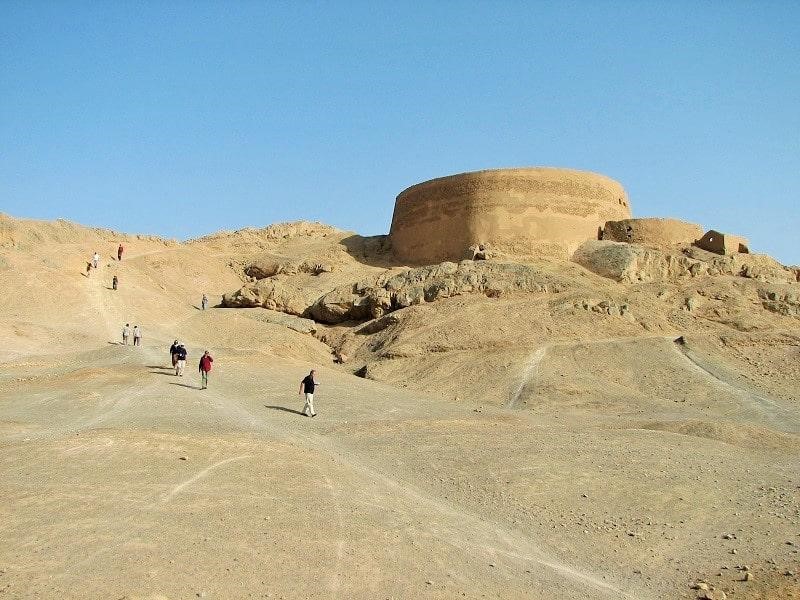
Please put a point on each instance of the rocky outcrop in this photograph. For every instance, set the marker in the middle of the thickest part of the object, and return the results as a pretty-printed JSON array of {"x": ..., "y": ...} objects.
[
  {"x": 781, "y": 299},
  {"x": 629, "y": 263},
  {"x": 269, "y": 266},
  {"x": 752, "y": 266},
  {"x": 267, "y": 293},
  {"x": 428, "y": 284}
]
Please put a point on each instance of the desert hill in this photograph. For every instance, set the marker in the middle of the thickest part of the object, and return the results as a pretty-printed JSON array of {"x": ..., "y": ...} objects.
[{"x": 618, "y": 423}]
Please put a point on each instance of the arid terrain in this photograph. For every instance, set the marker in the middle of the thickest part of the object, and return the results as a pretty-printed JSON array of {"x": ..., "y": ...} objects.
[{"x": 625, "y": 425}]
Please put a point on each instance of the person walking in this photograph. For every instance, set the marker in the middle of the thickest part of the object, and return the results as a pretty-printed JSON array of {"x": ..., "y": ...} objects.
[
  {"x": 120, "y": 250},
  {"x": 307, "y": 387},
  {"x": 204, "y": 302},
  {"x": 204, "y": 368},
  {"x": 88, "y": 268},
  {"x": 137, "y": 336},
  {"x": 96, "y": 260},
  {"x": 180, "y": 360},
  {"x": 173, "y": 353},
  {"x": 126, "y": 333},
  {"x": 114, "y": 282}
]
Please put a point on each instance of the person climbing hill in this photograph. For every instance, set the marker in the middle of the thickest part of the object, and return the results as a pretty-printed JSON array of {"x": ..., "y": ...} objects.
[
  {"x": 119, "y": 252},
  {"x": 180, "y": 360},
  {"x": 307, "y": 387},
  {"x": 204, "y": 368},
  {"x": 173, "y": 349}
]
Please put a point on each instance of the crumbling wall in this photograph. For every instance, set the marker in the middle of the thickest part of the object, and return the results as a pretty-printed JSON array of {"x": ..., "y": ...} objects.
[
  {"x": 723, "y": 243},
  {"x": 652, "y": 232}
]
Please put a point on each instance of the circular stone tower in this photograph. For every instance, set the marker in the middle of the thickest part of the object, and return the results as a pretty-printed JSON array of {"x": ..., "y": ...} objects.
[{"x": 515, "y": 211}]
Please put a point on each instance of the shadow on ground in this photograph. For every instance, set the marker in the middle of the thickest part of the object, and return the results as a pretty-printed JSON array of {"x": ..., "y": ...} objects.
[
  {"x": 283, "y": 408},
  {"x": 186, "y": 385}
]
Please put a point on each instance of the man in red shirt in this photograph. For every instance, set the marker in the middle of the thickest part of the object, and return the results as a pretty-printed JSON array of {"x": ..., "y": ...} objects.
[
  {"x": 119, "y": 252},
  {"x": 205, "y": 367}
]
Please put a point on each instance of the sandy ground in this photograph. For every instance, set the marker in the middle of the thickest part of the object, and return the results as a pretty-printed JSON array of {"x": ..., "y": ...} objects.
[{"x": 617, "y": 467}]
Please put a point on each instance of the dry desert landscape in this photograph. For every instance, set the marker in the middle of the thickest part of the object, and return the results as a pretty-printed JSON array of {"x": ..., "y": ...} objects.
[{"x": 615, "y": 420}]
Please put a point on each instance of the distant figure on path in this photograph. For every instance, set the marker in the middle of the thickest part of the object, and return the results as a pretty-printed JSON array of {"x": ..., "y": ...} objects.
[
  {"x": 126, "y": 333},
  {"x": 173, "y": 353},
  {"x": 180, "y": 360},
  {"x": 96, "y": 260},
  {"x": 204, "y": 368},
  {"x": 114, "y": 282},
  {"x": 307, "y": 386},
  {"x": 88, "y": 268},
  {"x": 120, "y": 250},
  {"x": 137, "y": 336},
  {"x": 204, "y": 302}
]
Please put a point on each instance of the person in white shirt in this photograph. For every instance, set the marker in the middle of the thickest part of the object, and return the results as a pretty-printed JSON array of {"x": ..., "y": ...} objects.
[
  {"x": 96, "y": 260},
  {"x": 137, "y": 336}
]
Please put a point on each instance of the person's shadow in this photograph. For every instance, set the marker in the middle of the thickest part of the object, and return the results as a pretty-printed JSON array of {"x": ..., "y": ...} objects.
[
  {"x": 186, "y": 385},
  {"x": 283, "y": 408},
  {"x": 170, "y": 372}
]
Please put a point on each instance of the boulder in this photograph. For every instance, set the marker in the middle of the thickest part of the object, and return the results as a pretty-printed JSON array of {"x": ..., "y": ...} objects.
[
  {"x": 270, "y": 294},
  {"x": 341, "y": 304},
  {"x": 631, "y": 263}
]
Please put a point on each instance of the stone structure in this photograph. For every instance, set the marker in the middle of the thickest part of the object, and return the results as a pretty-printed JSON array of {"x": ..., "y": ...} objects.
[
  {"x": 513, "y": 211},
  {"x": 652, "y": 232},
  {"x": 722, "y": 243}
]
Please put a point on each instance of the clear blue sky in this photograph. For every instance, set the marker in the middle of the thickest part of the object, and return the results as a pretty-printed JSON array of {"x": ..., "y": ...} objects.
[{"x": 182, "y": 118}]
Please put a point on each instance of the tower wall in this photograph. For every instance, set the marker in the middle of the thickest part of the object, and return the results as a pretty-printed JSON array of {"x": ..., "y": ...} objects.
[{"x": 516, "y": 211}]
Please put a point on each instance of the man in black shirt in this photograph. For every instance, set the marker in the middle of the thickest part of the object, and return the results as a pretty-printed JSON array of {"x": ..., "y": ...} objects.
[
  {"x": 307, "y": 386},
  {"x": 173, "y": 350},
  {"x": 180, "y": 359}
]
